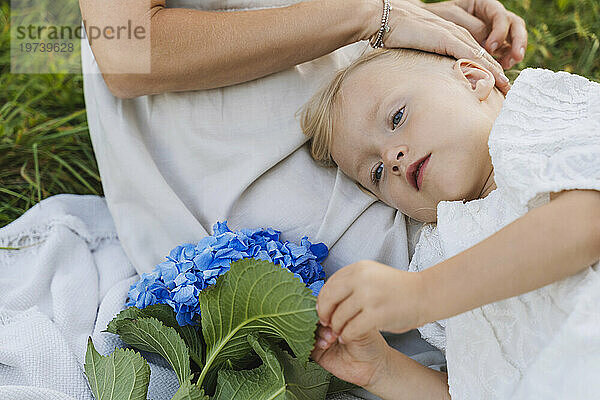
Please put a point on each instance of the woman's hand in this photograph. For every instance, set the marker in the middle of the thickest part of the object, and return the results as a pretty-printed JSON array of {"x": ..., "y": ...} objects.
[
  {"x": 502, "y": 32},
  {"x": 367, "y": 296},
  {"x": 357, "y": 361},
  {"x": 413, "y": 26}
]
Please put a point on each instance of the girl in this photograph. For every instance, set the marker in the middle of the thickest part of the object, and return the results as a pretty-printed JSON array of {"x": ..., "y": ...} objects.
[{"x": 513, "y": 186}]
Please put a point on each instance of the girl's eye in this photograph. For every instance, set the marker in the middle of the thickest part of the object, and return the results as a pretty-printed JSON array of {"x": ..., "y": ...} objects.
[
  {"x": 398, "y": 117},
  {"x": 376, "y": 173}
]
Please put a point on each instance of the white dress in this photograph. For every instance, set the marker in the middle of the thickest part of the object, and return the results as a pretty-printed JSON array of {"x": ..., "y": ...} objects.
[
  {"x": 173, "y": 164},
  {"x": 544, "y": 344}
]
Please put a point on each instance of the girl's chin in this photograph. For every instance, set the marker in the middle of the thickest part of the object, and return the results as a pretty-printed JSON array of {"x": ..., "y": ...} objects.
[{"x": 454, "y": 195}]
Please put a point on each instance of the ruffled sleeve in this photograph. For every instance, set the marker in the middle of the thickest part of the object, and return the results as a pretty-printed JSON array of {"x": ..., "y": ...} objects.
[{"x": 547, "y": 136}]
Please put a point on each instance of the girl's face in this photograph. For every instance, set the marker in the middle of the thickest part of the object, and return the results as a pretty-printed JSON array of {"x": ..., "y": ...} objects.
[{"x": 418, "y": 136}]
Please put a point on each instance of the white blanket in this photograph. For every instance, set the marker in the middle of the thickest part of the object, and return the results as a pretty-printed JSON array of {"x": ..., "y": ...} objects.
[{"x": 66, "y": 283}]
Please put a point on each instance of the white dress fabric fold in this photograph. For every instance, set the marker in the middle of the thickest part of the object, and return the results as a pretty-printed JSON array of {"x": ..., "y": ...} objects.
[{"x": 543, "y": 344}]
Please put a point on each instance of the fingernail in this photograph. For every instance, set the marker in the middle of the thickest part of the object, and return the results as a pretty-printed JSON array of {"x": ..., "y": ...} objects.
[
  {"x": 504, "y": 78},
  {"x": 322, "y": 343},
  {"x": 511, "y": 62},
  {"x": 494, "y": 46},
  {"x": 328, "y": 336},
  {"x": 522, "y": 51}
]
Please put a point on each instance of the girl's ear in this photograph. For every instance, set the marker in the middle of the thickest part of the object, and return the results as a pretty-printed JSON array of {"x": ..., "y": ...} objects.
[{"x": 480, "y": 80}]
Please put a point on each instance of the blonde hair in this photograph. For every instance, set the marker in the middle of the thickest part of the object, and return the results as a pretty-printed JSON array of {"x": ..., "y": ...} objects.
[{"x": 318, "y": 114}]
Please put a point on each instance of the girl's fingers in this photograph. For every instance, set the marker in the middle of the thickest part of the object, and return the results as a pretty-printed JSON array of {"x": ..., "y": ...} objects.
[
  {"x": 330, "y": 296},
  {"x": 326, "y": 334},
  {"x": 322, "y": 343},
  {"x": 317, "y": 353},
  {"x": 344, "y": 312},
  {"x": 356, "y": 329}
]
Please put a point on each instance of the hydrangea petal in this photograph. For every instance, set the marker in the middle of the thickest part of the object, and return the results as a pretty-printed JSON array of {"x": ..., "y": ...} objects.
[
  {"x": 203, "y": 260},
  {"x": 220, "y": 227},
  {"x": 320, "y": 251},
  {"x": 316, "y": 287},
  {"x": 206, "y": 242}
]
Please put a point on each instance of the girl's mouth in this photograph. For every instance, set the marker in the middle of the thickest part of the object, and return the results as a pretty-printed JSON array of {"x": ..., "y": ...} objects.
[{"x": 416, "y": 172}]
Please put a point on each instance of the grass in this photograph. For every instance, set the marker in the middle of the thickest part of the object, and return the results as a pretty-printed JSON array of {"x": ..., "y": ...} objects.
[{"x": 45, "y": 147}]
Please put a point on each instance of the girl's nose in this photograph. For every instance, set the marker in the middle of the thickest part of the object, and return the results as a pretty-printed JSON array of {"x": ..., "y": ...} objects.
[{"x": 393, "y": 159}]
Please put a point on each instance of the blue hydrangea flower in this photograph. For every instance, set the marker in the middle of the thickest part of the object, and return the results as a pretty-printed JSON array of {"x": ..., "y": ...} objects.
[{"x": 190, "y": 268}]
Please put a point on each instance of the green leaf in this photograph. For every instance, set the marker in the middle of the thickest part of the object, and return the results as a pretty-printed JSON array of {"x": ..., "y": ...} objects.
[
  {"x": 264, "y": 382},
  {"x": 165, "y": 314},
  {"x": 189, "y": 391},
  {"x": 337, "y": 385},
  {"x": 279, "y": 377},
  {"x": 258, "y": 297},
  {"x": 123, "y": 375},
  {"x": 151, "y": 335},
  {"x": 304, "y": 379}
]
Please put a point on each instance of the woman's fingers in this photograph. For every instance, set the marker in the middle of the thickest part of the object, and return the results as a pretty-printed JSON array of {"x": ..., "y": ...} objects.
[
  {"x": 421, "y": 29},
  {"x": 514, "y": 51},
  {"x": 503, "y": 55},
  {"x": 506, "y": 28},
  {"x": 496, "y": 69},
  {"x": 466, "y": 47},
  {"x": 494, "y": 12},
  {"x": 455, "y": 13},
  {"x": 518, "y": 37}
]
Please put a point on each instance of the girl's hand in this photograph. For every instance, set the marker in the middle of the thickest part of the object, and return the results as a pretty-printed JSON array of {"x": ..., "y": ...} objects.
[
  {"x": 367, "y": 296},
  {"x": 502, "y": 32},
  {"x": 359, "y": 361},
  {"x": 413, "y": 26}
]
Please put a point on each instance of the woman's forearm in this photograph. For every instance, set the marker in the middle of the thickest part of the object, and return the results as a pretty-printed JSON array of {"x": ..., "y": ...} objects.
[
  {"x": 545, "y": 245},
  {"x": 402, "y": 378},
  {"x": 195, "y": 49}
]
